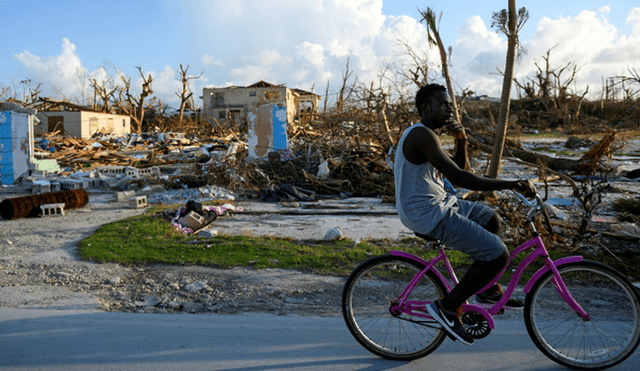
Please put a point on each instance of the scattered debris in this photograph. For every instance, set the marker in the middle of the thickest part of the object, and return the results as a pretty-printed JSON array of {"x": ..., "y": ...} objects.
[
  {"x": 193, "y": 217},
  {"x": 334, "y": 234}
]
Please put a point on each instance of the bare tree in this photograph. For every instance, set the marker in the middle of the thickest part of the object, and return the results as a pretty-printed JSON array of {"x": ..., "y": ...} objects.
[
  {"x": 106, "y": 91},
  {"x": 416, "y": 70},
  {"x": 186, "y": 94},
  {"x": 131, "y": 105},
  {"x": 34, "y": 93},
  {"x": 633, "y": 78},
  {"x": 4, "y": 90},
  {"x": 429, "y": 18},
  {"x": 510, "y": 24},
  {"x": 345, "y": 92}
]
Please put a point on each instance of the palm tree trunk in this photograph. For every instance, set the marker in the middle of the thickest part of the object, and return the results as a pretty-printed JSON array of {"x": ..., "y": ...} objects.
[{"x": 501, "y": 127}]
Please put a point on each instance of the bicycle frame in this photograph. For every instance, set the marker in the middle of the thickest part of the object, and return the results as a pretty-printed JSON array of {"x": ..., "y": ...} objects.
[{"x": 418, "y": 308}]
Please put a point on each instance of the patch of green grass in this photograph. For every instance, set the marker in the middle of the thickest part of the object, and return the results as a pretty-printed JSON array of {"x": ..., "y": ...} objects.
[{"x": 150, "y": 239}]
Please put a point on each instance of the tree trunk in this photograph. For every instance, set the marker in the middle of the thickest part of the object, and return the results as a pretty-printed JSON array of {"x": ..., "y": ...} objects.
[{"x": 501, "y": 127}]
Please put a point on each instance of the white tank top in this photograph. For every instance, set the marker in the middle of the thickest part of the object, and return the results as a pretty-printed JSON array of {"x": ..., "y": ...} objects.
[{"x": 421, "y": 198}]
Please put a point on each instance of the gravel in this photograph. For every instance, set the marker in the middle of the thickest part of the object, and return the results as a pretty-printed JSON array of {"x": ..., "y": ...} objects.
[{"x": 39, "y": 269}]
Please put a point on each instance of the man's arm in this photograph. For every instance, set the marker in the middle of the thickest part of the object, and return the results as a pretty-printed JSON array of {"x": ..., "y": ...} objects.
[
  {"x": 460, "y": 157},
  {"x": 423, "y": 143}
]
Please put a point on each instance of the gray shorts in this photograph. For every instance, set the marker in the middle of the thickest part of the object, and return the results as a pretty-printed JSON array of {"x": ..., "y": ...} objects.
[{"x": 462, "y": 229}]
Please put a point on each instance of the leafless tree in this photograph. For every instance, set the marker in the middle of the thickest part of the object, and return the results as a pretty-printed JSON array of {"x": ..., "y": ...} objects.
[
  {"x": 4, "y": 90},
  {"x": 34, "y": 93},
  {"x": 105, "y": 90},
  {"x": 429, "y": 18},
  {"x": 186, "y": 94},
  {"x": 345, "y": 90},
  {"x": 135, "y": 106},
  {"x": 417, "y": 70},
  {"x": 623, "y": 81}
]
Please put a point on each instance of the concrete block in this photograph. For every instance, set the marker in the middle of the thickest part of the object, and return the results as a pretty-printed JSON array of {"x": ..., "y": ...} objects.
[
  {"x": 192, "y": 220},
  {"x": 125, "y": 195},
  {"x": 138, "y": 202},
  {"x": 74, "y": 184},
  {"x": 41, "y": 186},
  {"x": 52, "y": 209}
]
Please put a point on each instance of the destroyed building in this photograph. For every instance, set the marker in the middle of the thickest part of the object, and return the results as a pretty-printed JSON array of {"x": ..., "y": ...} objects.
[
  {"x": 264, "y": 111},
  {"x": 77, "y": 121},
  {"x": 231, "y": 106}
]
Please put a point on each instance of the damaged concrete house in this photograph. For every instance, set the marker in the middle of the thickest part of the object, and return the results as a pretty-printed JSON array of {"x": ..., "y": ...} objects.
[
  {"x": 262, "y": 110},
  {"x": 77, "y": 121}
]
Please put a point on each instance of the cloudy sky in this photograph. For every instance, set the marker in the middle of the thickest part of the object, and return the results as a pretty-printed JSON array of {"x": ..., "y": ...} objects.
[{"x": 301, "y": 43}]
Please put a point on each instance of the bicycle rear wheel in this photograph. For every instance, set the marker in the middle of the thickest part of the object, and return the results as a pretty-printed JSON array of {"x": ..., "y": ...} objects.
[
  {"x": 367, "y": 299},
  {"x": 612, "y": 303}
]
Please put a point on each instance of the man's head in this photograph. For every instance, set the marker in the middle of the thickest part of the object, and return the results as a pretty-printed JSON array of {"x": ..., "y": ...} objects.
[{"x": 434, "y": 101}]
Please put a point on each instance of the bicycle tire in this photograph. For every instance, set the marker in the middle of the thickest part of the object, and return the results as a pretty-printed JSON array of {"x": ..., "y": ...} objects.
[
  {"x": 610, "y": 336},
  {"x": 366, "y": 307}
]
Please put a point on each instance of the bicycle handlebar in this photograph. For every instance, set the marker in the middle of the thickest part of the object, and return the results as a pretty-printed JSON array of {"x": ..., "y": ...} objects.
[{"x": 533, "y": 206}]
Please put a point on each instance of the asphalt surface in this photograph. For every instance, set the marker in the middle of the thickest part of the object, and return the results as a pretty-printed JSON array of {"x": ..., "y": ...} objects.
[{"x": 33, "y": 339}]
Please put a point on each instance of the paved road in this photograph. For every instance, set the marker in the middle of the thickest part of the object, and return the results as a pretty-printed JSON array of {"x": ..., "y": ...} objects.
[{"x": 89, "y": 340}]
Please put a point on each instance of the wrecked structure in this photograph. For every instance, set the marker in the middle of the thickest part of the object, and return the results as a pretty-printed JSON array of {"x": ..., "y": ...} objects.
[
  {"x": 78, "y": 121},
  {"x": 262, "y": 110},
  {"x": 16, "y": 141}
]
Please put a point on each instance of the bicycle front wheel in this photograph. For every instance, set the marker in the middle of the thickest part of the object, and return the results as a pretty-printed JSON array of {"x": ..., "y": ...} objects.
[
  {"x": 609, "y": 336},
  {"x": 368, "y": 301}
]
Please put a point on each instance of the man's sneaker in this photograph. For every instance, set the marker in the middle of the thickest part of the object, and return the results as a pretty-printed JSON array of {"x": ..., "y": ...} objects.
[
  {"x": 490, "y": 300},
  {"x": 450, "y": 321}
]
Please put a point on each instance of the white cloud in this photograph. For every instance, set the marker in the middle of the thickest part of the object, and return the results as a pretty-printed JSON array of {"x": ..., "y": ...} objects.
[
  {"x": 62, "y": 73},
  {"x": 165, "y": 84},
  {"x": 209, "y": 60},
  {"x": 587, "y": 41},
  {"x": 313, "y": 38},
  {"x": 65, "y": 74},
  {"x": 633, "y": 20},
  {"x": 303, "y": 43}
]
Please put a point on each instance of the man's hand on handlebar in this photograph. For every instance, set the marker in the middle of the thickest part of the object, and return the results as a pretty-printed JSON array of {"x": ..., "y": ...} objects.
[{"x": 525, "y": 187}]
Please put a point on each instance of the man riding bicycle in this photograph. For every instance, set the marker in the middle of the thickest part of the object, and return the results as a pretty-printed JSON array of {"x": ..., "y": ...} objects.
[{"x": 426, "y": 208}]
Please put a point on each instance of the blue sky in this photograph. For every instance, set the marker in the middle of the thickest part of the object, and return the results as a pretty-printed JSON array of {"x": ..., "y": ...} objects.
[{"x": 302, "y": 43}]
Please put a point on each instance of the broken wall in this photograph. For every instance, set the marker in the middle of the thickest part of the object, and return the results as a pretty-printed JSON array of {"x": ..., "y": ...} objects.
[
  {"x": 16, "y": 145},
  {"x": 267, "y": 130},
  {"x": 243, "y": 101}
]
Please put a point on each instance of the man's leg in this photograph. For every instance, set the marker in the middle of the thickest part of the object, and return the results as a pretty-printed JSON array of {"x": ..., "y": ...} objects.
[
  {"x": 473, "y": 229},
  {"x": 477, "y": 276}
]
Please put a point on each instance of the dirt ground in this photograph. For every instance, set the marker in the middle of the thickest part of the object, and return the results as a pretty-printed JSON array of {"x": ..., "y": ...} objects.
[{"x": 39, "y": 268}]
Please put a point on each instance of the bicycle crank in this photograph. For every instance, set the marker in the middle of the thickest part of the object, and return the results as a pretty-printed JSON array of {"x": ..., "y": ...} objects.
[{"x": 476, "y": 325}]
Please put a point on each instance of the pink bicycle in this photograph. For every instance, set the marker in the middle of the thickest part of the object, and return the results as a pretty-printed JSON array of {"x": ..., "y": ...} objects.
[{"x": 581, "y": 314}]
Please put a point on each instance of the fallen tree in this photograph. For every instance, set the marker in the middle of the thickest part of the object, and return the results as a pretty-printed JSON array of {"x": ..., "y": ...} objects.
[{"x": 590, "y": 163}]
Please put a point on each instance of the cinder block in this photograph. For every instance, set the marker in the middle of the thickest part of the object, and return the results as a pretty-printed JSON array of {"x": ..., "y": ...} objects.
[
  {"x": 52, "y": 210},
  {"x": 71, "y": 184},
  {"x": 41, "y": 186},
  {"x": 192, "y": 220},
  {"x": 138, "y": 202},
  {"x": 124, "y": 195}
]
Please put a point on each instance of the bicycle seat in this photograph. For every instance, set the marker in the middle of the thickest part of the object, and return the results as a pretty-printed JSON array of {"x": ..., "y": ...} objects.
[{"x": 426, "y": 237}]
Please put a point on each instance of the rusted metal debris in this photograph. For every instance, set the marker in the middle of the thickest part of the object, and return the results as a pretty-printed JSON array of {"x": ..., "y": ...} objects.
[{"x": 29, "y": 206}]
